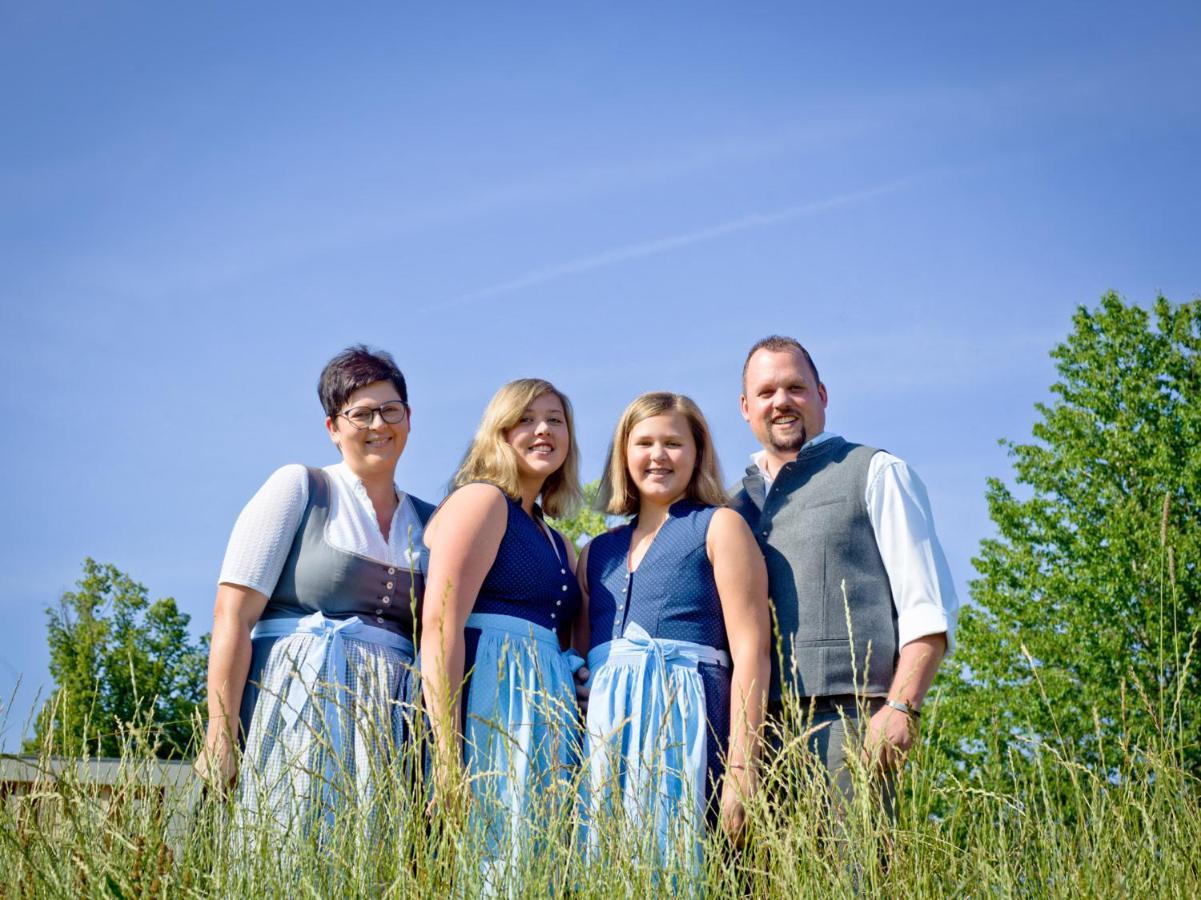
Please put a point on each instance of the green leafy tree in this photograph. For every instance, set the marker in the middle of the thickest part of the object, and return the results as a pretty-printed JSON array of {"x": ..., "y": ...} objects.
[
  {"x": 586, "y": 522},
  {"x": 1087, "y": 605},
  {"x": 119, "y": 662}
]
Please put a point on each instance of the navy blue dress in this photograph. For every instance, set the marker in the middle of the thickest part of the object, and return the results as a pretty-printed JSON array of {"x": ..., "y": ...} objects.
[
  {"x": 521, "y": 728},
  {"x": 659, "y": 628}
]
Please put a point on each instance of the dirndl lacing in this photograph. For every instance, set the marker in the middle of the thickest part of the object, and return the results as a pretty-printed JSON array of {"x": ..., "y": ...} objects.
[
  {"x": 647, "y": 736},
  {"x": 521, "y": 737},
  {"x": 321, "y": 678}
]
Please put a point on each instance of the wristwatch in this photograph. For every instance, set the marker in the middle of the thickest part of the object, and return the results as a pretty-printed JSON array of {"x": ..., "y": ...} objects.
[{"x": 902, "y": 706}]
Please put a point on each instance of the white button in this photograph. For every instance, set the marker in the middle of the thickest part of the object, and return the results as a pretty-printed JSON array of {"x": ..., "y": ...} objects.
[
  {"x": 623, "y": 590},
  {"x": 390, "y": 585},
  {"x": 562, "y": 571},
  {"x": 558, "y": 603},
  {"x": 386, "y": 600},
  {"x": 380, "y": 619},
  {"x": 552, "y": 615},
  {"x": 391, "y": 571},
  {"x": 564, "y": 587}
]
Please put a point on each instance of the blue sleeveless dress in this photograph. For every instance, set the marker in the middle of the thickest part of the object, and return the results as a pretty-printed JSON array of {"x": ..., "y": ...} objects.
[
  {"x": 520, "y": 719},
  {"x": 331, "y": 688},
  {"x": 659, "y": 708}
]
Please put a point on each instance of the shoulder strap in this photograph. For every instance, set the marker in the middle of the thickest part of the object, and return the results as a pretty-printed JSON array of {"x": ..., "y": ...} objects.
[
  {"x": 318, "y": 487},
  {"x": 424, "y": 510}
]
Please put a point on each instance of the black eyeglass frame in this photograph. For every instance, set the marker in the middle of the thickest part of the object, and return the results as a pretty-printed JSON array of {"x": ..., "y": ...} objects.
[{"x": 374, "y": 411}]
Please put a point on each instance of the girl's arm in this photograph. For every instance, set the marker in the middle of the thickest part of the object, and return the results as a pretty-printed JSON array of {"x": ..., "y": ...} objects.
[
  {"x": 741, "y": 577},
  {"x": 463, "y": 538},
  {"x": 581, "y": 631}
]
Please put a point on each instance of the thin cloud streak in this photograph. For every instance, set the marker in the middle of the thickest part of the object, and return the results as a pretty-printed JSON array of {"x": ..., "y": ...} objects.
[
  {"x": 281, "y": 235},
  {"x": 667, "y": 244}
]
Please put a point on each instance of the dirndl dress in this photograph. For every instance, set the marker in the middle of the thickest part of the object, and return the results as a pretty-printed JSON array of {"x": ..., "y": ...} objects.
[
  {"x": 521, "y": 725},
  {"x": 331, "y": 694},
  {"x": 658, "y": 709}
]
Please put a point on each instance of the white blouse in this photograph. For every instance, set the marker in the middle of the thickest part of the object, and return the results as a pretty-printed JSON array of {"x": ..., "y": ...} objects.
[{"x": 262, "y": 537}]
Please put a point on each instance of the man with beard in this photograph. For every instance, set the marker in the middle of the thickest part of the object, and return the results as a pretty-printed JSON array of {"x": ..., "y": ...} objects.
[{"x": 861, "y": 590}]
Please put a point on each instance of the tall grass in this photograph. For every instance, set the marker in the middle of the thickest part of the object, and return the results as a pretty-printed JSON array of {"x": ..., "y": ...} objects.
[{"x": 1032, "y": 823}]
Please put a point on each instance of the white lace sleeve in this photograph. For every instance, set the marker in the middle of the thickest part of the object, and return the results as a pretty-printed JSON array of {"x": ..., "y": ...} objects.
[{"x": 263, "y": 534}]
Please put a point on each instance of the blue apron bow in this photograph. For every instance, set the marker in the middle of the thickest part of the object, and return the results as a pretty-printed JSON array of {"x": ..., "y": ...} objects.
[
  {"x": 636, "y": 641},
  {"x": 670, "y": 735},
  {"x": 326, "y": 665}
]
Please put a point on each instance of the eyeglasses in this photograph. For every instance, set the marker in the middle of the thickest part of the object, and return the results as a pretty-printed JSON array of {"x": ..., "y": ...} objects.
[{"x": 393, "y": 413}]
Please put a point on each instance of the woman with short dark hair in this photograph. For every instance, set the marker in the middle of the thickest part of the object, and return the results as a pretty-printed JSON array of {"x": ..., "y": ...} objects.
[{"x": 312, "y": 646}]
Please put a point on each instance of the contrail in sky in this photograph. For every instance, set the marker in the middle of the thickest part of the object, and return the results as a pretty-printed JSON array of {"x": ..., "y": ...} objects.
[{"x": 667, "y": 244}]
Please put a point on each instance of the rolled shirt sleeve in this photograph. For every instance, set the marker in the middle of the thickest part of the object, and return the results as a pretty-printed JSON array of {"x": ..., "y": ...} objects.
[
  {"x": 899, "y": 509},
  {"x": 262, "y": 537}
]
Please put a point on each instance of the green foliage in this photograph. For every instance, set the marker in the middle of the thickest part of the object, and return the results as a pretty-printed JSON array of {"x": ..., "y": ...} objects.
[
  {"x": 119, "y": 663},
  {"x": 1089, "y": 600},
  {"x": 586, "y": 522}
]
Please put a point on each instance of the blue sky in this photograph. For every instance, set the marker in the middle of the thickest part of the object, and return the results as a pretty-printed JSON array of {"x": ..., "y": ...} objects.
[{"x": 198, "y": 206}]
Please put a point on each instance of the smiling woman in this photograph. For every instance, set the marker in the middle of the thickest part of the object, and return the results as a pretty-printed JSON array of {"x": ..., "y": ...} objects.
[
  {"x": 501, "y": 599},
  {"x": 675, "y": 624},
  {"x": 312, "y": 642}
]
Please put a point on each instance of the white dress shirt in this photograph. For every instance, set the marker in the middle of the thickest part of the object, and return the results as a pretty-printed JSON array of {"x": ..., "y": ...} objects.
[
  {"x": 262, "y": 537},
  {"x": 899, "y": 510}
]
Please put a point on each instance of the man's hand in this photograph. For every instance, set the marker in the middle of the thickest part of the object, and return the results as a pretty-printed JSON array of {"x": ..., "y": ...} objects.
[
  {"x": 890, "y": 734},
  {"x": 581, "y": 688}
]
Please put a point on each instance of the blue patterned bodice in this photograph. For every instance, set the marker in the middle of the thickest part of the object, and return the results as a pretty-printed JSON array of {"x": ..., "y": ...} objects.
[
  {"x": 672, "y": 594},
  {"x": 527, "y": 579}
]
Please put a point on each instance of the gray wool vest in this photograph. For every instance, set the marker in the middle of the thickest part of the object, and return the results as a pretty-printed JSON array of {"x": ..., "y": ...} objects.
[{"x": 816, "y": 537}]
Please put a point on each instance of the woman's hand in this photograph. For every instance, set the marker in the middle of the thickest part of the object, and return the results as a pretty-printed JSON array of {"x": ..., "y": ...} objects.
[
  {"x": 582, "y": 675},
  {"x": 448, "y": 803},
  {"x": 733, "y": 810},
  {"x": 216, "y": 765}
]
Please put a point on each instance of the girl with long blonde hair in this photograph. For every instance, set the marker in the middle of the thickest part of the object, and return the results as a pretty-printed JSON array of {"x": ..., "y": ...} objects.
[
  {"x": 500, "y": 600},
  {"x": 676, "y": 625}
]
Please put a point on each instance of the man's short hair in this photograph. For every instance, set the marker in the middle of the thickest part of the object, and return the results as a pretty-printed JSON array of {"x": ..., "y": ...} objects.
[
  {"x": 778, "y": 343},
  {"x": 355, "y": 368}
]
